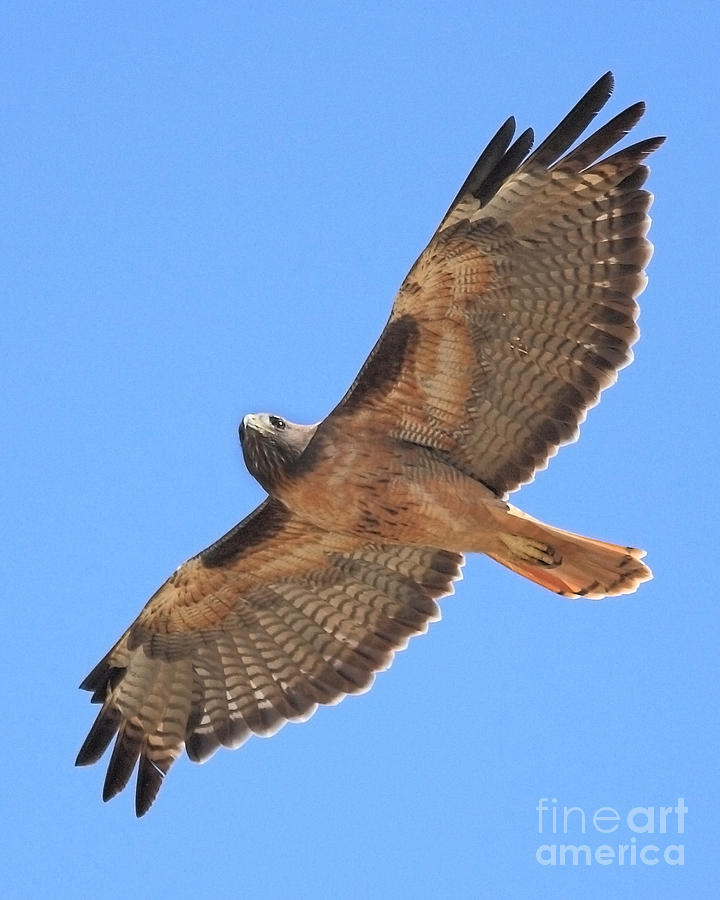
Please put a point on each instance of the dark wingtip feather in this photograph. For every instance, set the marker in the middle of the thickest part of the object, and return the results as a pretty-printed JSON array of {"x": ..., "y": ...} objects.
[
  {"x": 96, "y": 678},
  {"x": 200, "y": 747},
  {"x": 499, "y": 160},
  {"x": 635, "y": 154},
  {"x": 149, "y": 782},
  {"x": 102, "y": 679},
  {"x": 575, "y": 122},
  {"x": 487, "y": 161},
  {"x": 642, "y": 149},
  {"x": 102, "y": 732},
  {"x": 505, "y": 166},
  {"x": 600, "y": 141},
  {"x": 608, "y": 81},
  {"x": 122, "y": 762},
  {"x": 602, "y": 90}
]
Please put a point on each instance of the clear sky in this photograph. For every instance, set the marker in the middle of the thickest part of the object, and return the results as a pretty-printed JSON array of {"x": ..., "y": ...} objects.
[{"x": 208, "y": 208}]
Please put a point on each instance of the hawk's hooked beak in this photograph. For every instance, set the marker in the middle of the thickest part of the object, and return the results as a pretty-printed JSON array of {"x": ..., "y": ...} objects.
[
  {"x": 246, "y": 423},
  {"x": 254, "y": 421},
  {"x": 256, "y": 425}
]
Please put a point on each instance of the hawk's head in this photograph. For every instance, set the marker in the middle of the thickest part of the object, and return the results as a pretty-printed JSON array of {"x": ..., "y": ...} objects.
[{"x": 271, "y": 444}]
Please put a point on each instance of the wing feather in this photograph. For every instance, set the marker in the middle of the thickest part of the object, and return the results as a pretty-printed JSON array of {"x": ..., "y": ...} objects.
[
  {"x": 521, "y": 309},
  {"x": 516, "y": 316},
  {"x": 251, "y": 634}
]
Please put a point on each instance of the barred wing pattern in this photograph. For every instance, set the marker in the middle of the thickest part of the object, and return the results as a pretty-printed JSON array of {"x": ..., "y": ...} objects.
[
  {"x": 522, "y": 308},
  {"x": 260, "y": 628},
  {"x": 517, "y": 315}
]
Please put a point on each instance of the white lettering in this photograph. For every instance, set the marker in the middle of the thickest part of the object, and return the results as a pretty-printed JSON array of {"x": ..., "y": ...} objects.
[
  {"x": 574, "y": 850},
  {"x": 678, "y": 854},
  {"x": 642, "y": 820},
  {"x": 613, "y": 816},
  {"x": 664, "y": 812},
  {"x": 566, "y": 812},
  {"x": 653, "y": 861},
  {"x": 546, "y": 854},
  {"x": 649, "y": 813},
  {"x": 681, "y": 809},
  {"x": 604, "y": 855},
  {"x": 541, "y": 808}
]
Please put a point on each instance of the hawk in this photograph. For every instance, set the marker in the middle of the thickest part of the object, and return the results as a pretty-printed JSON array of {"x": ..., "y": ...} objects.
[{"x": 514, "y": 318}]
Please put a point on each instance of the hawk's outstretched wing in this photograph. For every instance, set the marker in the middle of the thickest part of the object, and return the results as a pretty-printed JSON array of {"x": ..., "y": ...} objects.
[
  {"x": 273, "y": 619},
  {"x": 515, "y": 317},
  {"x": 521, "y": 309}
]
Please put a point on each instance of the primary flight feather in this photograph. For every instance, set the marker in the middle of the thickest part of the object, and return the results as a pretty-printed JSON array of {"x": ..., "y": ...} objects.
[{"x": 515, "y": 317}]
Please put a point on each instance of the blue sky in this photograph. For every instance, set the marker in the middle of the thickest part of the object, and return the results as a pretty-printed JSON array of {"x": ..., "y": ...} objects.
[{"x": 208, "y": 209}]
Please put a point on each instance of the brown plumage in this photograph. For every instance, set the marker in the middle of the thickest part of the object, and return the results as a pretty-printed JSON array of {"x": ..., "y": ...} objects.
[{"x": 515, "y": 317}]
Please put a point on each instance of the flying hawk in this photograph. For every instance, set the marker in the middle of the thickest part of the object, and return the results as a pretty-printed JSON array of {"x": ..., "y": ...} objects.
[{"x": 514, "y": 318}]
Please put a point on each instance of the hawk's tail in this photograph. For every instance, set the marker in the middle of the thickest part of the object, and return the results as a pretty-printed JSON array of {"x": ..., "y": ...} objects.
[{"x": 568, "y": 563}]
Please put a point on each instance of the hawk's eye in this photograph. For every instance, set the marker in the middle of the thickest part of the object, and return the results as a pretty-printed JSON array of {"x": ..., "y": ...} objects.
[{"x": 277, "y": 422}]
